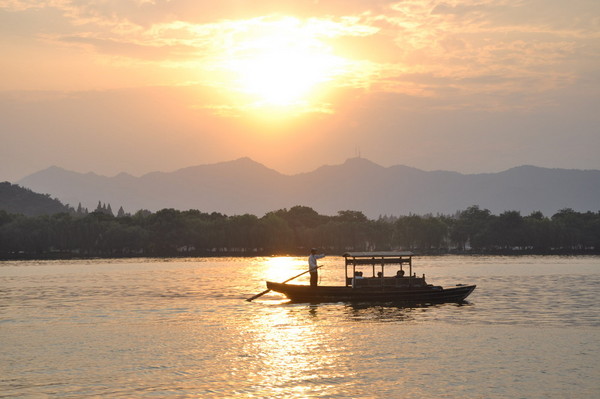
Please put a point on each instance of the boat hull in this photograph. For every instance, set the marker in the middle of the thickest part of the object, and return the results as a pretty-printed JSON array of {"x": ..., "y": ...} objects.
[{"x": 416, "y": 295}]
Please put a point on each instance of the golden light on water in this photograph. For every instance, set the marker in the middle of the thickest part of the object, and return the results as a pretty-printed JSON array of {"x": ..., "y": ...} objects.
[
  {"x": 296, "y": 356},
  {"x": 281, "y": 268}
]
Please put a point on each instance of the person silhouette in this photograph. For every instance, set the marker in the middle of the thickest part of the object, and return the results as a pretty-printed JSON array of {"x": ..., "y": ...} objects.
[{"x": 313, "y": 267}]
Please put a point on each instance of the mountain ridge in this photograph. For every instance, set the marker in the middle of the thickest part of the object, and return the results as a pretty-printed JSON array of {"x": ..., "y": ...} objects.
[
  {"x": 19, "y": 200},
  {"x": 246, "y": 186}
]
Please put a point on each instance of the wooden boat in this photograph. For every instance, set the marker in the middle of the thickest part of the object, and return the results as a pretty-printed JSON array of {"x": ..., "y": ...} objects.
[{"x": 379, "y": 287}]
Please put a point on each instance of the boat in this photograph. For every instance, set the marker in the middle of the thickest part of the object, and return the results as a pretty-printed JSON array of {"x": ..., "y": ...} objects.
[{"x": 379, "y": 287}]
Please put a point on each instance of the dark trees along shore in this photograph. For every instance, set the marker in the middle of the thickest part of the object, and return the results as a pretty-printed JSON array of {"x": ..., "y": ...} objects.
[{"x": 170, "y": 232}]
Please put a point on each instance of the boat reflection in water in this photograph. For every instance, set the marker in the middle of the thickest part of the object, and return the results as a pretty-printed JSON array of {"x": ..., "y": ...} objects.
[
  {"x": 398, "y": 288},
  {"x": 393, "y": 312}
]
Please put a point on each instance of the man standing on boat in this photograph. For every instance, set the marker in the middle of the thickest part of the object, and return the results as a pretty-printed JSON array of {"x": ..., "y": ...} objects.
[{"x": 313, "y": 268}]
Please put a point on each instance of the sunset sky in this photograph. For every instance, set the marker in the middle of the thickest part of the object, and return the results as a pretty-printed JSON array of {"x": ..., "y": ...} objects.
[{"x": 137, "y": 86}]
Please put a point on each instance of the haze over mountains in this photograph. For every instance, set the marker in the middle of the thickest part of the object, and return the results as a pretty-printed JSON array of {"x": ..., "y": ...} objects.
[{"x": 245, "y": 186}]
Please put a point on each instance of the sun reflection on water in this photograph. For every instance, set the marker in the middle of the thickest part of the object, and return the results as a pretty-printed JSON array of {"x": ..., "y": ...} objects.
[
  {"x": 281, "y": 268},
  {"x": 297, "y": 356}
]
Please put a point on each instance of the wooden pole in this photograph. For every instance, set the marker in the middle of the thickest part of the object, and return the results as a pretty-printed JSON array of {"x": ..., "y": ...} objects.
[{"x": 267, "y": 290}]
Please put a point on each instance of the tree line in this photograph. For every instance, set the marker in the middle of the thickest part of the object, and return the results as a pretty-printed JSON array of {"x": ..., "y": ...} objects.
[{"x": 171, "y": 232}]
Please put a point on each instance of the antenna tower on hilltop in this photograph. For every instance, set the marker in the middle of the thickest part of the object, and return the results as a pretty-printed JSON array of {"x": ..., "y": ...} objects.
[{"x": 356, "y": 152}]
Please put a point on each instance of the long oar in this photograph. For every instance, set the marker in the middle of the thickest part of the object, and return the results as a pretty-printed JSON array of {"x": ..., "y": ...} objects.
[{"x": 268, "y": 289}]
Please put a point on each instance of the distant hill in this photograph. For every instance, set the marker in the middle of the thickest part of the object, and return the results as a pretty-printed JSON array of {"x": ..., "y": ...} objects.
[
  {"x": 245, "y": 186},
  {"x": 19, "y": 200}
]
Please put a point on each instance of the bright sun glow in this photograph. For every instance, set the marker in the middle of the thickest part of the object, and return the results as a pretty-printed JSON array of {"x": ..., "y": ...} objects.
[
  {"x": 281, "y": 65},
  {"x": 282, "y": 267}
]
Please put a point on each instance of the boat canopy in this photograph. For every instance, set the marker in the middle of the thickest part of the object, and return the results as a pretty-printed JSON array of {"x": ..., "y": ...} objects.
[
  {"x": 379, "y": 259},
  {"x": 379, "y": 254}
]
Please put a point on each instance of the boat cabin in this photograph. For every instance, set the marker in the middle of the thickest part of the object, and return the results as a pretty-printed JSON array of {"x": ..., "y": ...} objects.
[{"x": 376, "y": 264}]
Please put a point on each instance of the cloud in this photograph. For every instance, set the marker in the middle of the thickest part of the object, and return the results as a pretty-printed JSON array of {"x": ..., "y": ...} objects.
[
  {"x": 467, "y": 53},
  {"x": 489, "y": 50},
  {"x": 150, "y": 52}
]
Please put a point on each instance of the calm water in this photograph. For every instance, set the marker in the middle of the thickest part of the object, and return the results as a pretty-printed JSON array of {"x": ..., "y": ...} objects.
[{"x": 181, "y": 328}]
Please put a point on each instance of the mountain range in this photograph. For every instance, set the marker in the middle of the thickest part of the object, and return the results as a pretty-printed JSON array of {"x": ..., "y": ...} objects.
[
  {"x": 245, "y": 186},
  {"x": 18, "y": 200}
]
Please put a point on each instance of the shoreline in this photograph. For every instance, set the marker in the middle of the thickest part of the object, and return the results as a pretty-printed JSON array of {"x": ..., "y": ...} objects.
[{"x": 250, "y": 254}]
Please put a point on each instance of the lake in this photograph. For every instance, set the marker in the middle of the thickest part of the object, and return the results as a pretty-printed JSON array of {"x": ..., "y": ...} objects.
[{"x": 182, "y": 328}]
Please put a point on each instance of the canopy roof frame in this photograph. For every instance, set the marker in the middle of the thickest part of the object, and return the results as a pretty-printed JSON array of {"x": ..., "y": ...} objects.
[{"x": 381, "y": 258}]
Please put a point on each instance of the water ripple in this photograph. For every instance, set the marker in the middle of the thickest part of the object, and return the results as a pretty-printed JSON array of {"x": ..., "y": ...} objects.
[{"x": 183, "y": 329}]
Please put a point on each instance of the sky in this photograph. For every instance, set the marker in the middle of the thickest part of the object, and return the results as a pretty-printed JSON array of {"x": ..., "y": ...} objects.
[{"x": 136, "y": 86}]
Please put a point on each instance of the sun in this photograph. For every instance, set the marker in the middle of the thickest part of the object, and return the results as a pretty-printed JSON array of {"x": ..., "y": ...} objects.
[
  {"x": 282, "y": 64},
  {"x": 278, "y": 74}
]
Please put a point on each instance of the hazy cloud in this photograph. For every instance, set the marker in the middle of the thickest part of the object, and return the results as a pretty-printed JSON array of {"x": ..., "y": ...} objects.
[
  {"x": 518, "y": 76},
  {"x": 456, "y": 43}
]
